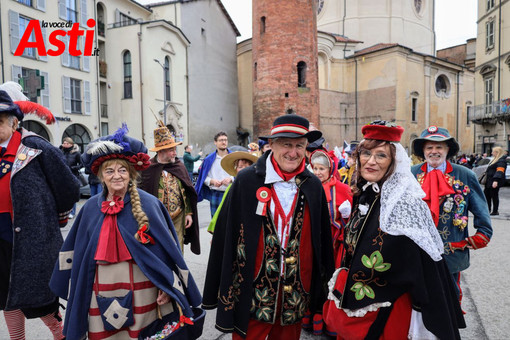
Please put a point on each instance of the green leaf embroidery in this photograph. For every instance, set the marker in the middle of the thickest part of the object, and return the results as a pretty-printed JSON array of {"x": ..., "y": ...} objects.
[
  {"x": 241, "y": 254},
  {"x": 262, "y": 295},
  {"x": 293, "y": 245},
  {"x": 271, "y": 266},
  {"x": 263, "y": 313},
  {"x": 361, "y": 290},
  {"x": 295, "y": 299},
  {"x": 375, "y": 261},
  {"x": 271, "y": 240},
  {"x": 289, "y": 316},
  {"x": 292, "y": 269}
]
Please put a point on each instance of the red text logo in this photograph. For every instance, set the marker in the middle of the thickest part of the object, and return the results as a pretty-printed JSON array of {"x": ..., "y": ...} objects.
[{"x": 74, "y": 33}]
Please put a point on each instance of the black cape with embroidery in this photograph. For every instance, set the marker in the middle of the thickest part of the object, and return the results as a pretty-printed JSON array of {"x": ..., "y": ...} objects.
[
  {"x": 150, "y": 182},
  {"x": 400, "y": 267},
  {"x": 239, "y": 208}
]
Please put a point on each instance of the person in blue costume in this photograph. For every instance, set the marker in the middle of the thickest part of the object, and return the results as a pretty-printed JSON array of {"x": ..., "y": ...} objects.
[
  {"x": 452, "y": 191},
  {"x": 121, "y": 265},
  {"x": 212, "y": 180}
]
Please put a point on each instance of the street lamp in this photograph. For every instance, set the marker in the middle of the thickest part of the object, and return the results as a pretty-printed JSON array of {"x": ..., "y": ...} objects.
[{"x": 164, "y": 89}]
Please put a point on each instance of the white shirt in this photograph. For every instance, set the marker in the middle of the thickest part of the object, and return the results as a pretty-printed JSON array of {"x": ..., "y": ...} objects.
[
  {"x": 217, "y": 173},
  {"x": 286, "y": 191}
]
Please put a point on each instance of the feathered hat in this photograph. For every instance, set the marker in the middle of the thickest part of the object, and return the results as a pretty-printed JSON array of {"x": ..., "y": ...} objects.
[
  {"x": 117, "y": 145},
  {"x": 21, "y": 106}
]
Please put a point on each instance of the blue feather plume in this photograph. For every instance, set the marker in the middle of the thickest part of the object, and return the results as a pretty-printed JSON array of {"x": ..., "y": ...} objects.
[{"x": 118, "y": 137}]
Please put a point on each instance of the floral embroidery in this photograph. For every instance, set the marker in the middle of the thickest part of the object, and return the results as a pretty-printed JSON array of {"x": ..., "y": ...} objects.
[
  {"x": 234, "y": 290},
  {"x": 375, "y": 263}
]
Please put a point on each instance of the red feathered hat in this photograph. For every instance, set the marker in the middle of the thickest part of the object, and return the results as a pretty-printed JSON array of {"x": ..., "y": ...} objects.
[
  {"x": 382, "y": 130},
  {"x": 20, "y": 108}
]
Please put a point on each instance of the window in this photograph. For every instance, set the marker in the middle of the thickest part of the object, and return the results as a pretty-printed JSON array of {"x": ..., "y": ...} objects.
[
  {"x": 74, "y": 61},
  {"x": 489, "y": 94},
  {"x": 414, "y": 104},
  {"x": 489, "y": 37},
  {"x": 301, "y": 70},
  {"x": 167, "y": 78},
  {"x": 104, "y": 129},
  {"x": 79, "y": 135},
  {"x": 124, "y": 20},
  {"x": 490, "y": 4},
  {"x": 128, "y": 90},
  {"x": 255, "y": 72},
  {"x": 26, "y": 2},
  {"x": 75, "y": 96},
  {"x": 23, "y": 22},
  {"x": 469, "y": 113},
  {"x": 262, "y": 25},
  {"x": 71, "y": 9},
  {"x": 442, "y": 86}
]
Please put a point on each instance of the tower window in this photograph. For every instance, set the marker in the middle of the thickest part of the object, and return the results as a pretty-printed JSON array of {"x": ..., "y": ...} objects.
[
  {"x": 301, "y": 70},
  {"x": 414, "y": 105},
  {"x": 262, "y": 25}
]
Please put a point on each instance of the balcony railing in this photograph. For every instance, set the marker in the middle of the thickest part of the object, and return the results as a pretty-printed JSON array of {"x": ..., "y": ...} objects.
[
  {"x": 104, "y": 111},
  {"x": 499, "y": 110}
]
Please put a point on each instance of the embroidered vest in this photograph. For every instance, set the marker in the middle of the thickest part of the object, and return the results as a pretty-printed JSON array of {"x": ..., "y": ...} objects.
[{"x": 291, "y": 289}]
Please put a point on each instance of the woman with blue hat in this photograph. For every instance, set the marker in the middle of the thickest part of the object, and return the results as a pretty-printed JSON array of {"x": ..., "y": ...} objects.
[{"x": 120, "y": 266}]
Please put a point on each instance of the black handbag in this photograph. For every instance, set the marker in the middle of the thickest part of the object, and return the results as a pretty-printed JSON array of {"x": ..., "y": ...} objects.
[
  {"x": 483, "y": 178},
  {"x": 172, "y": 326}
]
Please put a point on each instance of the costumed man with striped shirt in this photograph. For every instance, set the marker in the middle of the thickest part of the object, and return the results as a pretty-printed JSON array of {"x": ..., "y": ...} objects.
[
  {"x": 451, "y": 192},
  {"x": 273, "y": 236}
]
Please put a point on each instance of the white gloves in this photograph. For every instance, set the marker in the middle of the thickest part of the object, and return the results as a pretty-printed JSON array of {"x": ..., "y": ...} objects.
[{"x": 345, "y": 209}]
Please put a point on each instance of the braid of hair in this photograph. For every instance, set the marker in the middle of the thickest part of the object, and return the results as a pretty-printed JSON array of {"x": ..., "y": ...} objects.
[{"x": 140, "y": 216}]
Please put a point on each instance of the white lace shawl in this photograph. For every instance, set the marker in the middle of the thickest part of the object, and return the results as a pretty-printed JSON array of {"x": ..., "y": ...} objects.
[{"x": 403, "y": 211}]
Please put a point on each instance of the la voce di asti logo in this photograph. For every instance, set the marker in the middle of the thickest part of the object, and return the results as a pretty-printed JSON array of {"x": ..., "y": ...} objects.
[{"x": 34, "y": 26}]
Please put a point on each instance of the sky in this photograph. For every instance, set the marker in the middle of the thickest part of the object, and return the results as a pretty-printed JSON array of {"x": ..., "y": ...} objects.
[{"x": 455, "y": 20}]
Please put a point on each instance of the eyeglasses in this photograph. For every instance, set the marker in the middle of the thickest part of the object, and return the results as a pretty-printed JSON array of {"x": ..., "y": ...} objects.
[
  {"x": 222, "y": 140},
  {"x": 379, "y": 157}
]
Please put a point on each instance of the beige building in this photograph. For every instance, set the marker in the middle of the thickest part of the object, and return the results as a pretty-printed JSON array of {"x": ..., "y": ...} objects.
[
  {"x": 492, "y": 76},
  {"x": 141, "y": 70},
  {"x": 385, "y": 80}
]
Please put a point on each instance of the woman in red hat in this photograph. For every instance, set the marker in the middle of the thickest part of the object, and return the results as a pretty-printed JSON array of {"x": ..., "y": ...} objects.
[{"x": 393, "y": 282}]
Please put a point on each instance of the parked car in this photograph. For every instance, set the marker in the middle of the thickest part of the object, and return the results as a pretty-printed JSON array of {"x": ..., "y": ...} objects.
[
  {"x": 480, "y": 169},
  {"x": 84, "y": 189}
]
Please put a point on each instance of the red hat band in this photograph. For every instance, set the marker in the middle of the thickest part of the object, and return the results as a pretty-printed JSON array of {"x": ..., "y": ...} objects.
[
  {"x": 292, "y": 128},
  {"x": 381, "y": 132}
]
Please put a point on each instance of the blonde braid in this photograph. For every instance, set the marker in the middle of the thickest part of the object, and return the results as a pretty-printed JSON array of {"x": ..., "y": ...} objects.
[{"x": 140, "y": 216}]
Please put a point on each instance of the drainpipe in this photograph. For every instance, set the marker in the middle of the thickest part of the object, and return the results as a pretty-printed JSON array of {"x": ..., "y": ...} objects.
[
  {"x": 98, "y": 87},
  {"x": 499, "y": 72},
  {"x": 356, "y": 98},
  {"x": 457, "y": 111},
  {"x": 2, "y": 48},
  {"x": 141, "y": 81},
  {"x": 343, "y": 27}
]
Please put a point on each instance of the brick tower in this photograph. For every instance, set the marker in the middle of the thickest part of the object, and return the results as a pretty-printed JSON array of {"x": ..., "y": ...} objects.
[{"x": 284, "y": 65}]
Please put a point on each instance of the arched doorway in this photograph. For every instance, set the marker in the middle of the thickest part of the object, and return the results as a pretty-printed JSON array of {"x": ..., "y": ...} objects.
[
  {"x": 36, "y": 127},
  {"x": 79, "y": 134}
]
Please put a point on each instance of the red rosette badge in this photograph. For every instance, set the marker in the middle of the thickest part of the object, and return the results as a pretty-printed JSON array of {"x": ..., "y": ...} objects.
[{"x": 263, "y": 196}]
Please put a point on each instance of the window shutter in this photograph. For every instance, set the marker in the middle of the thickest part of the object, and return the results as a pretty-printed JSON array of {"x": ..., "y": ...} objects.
[
  {"x": 86, "y": 59},
  {"x": 41, "y": 5},
  {"x": 45, "y": 93},
  {"x": 86, "y": 96},
  {"x": 83, "y": 13},
  {"x": 66, "y": 90},
  {"x": 43, "y": 30},
  {"x": 117, "y": 18},
  {"x": 14, "y": 27},
  {"x": 62, "y": 9},
  {"x": 16, "y": 72},
  {"x": 65, "y": 55}
]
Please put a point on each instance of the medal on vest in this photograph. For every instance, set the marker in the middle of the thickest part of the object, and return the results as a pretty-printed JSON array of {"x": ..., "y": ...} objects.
[
  {"x": 263, "y": 196},
  {"x": 5, "y": 167}
]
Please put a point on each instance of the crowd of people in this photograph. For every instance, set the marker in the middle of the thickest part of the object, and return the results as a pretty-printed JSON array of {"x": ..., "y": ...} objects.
[{"x": 368, "y": 247}]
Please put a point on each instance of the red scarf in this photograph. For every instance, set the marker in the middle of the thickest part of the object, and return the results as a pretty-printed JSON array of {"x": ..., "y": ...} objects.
[
  {"x": 110, "y": 246},
  {"x": 5, "y": 186},
  {"x": 435, "y": 184},
  {"x": 287, "y": 175}
]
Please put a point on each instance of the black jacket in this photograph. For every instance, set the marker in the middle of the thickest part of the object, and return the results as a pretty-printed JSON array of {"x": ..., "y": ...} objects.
[
  {"x": 496, "y": 173},
  {"x": 238, "y": 219},
  {"x": 72, "y": 156}
]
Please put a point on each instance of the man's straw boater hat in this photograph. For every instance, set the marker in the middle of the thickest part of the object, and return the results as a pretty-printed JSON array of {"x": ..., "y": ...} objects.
[
  {"x": 292, "y": 126},
  {"x": 163, "y": 139}
]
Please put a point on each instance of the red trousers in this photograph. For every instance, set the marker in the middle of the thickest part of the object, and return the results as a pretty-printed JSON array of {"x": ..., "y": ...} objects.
[{"x": 260, "y": 330}]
